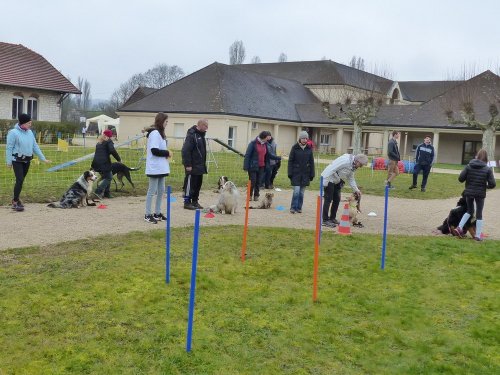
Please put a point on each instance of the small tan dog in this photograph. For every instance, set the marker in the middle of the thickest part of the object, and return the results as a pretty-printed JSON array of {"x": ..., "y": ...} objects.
[
  {"x": 354, "y": 209},
  {"x": 228, "y": 199},
  {"x": 265, "y": 202}
]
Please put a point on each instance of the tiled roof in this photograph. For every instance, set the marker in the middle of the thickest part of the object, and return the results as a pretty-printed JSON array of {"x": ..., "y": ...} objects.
[
  {"x": 324, "y": 72},
  {"x": 22, "y": 67},
  {"x": 422, "y": 91},
  {"x": 138, "y": 94},
  {"x": 227, "y": 89}
]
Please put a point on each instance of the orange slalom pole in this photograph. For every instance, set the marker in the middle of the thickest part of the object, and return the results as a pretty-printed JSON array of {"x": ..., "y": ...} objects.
[
  {"x": 316, "y": 249},
  {"x": 245, "y": 228}
]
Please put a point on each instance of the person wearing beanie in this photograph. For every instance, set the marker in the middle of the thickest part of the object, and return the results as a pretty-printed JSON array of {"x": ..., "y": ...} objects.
[
  {"x": 300, "y": 171},
  {"x": 21, "y": 145},
  {"x": 102, "y": 162},
  {"x": 257, "y": 158},
  {"x": 334, "y": 176}
]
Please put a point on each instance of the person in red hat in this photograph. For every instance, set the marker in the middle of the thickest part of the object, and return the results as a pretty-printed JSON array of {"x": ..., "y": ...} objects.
[
  {"x": 21, "y": 145},
  {"x": 102, "y": 162}
]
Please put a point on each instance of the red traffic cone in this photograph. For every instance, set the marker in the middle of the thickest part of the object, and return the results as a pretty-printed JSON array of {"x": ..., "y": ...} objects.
[{"x": 345, "y": 226}]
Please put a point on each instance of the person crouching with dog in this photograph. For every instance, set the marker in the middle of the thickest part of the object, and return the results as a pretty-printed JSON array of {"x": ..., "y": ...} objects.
[
  {"x": 157, "y": 167},
  {"x": 21, "y": 145},
  {"x": 102, "y": 162},
  {"x": 334, "y": 176},
  {"x": 478, "y": 177}
]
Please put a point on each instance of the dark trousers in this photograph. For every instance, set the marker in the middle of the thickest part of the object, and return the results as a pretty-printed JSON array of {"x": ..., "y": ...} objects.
[
  {"x": 332, "y": 194},
  {"x": 20, "y": 171},
  {"x": 426, "y": 169},
  {"x": 192, "y": 187},
  {"x": 256, "y": 179},
  {"x": 271, "y": 173},
  {"x": 479, "y": 206},
  {"x": 106, "y": 181}
]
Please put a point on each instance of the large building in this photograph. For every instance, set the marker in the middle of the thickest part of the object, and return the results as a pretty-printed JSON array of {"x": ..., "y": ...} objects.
[
  {"x": 242, "y": 100},
  {"x": 30, "y": 84}
]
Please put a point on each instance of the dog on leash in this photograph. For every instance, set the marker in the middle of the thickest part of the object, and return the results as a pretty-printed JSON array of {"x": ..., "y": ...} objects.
[
  {"x": 120, "y": 170},
  {"x": 355, "y": 209},
  {"x": 78, "y": 193},
  {"x": 453, "y": 219},
  {"x": 228, "y": 199},
  {"x": 220, "y": 183}
]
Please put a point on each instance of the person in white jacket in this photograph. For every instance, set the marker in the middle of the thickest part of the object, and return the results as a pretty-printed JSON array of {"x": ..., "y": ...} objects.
[
  {"x": 334, "y": 176},
  {"x": 157, "y": 167}
]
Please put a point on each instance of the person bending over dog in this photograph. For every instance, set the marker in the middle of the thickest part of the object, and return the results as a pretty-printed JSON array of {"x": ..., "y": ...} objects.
[
  {"x": 102, "y": 161},
  {"x": 334, "y": 175},
  {"x": 478, "y": 177}
]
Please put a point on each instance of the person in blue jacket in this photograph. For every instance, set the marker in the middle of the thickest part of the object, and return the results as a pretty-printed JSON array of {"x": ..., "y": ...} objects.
[
  {"x": 423, "y": 162},
  {"x": 21, "y": 145}
]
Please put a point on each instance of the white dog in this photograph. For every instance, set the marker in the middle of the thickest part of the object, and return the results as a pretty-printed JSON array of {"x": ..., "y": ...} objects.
[{"x": 228, "y": 199}]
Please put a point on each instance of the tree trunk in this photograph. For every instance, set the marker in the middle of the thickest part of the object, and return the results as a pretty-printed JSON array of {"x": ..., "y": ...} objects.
[
  {"x": 356, "y": 138},
  {"x": 488, "y": 141}
]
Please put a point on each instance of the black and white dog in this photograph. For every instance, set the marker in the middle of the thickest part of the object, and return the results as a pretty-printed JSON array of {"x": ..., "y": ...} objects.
[
  {"x": 453, "y": 219},
  {"x": 121, "y": 170},
  {"x": 228, "y": 199},
  {"x": 220, "y": 183},
  {"x": 78, "y": 193}
]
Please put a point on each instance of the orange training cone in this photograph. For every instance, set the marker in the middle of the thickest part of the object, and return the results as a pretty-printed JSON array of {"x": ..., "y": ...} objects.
[{"x": 345, "y": 226}]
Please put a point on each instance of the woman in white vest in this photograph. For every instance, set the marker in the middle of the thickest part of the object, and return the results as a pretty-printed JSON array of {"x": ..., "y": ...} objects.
[{"x": 157, "y": 167}]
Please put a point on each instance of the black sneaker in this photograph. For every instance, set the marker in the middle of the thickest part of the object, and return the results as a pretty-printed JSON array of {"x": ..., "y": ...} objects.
[
  {"x": 189, "y": 206},
  {"x": 329, "y": 224},
  {"x": 412, "y": 187},
  {"x": 256, "y": 198},
  {"x": 423, "y": 190},
  {"x": 197, "y": 205},
  {"x": 335, "y": 221},
  {"x": 150, "y": 219},
  {"x": 17, "y": 206},
  {"x": 159, "y": 217}
]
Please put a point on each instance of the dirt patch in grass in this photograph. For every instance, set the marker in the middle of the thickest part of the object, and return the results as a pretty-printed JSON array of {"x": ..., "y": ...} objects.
[{"x": 40, "y": 225}]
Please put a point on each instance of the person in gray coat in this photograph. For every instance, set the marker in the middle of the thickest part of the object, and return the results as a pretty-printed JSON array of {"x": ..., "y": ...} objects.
[{"x": 478, "y": 177}]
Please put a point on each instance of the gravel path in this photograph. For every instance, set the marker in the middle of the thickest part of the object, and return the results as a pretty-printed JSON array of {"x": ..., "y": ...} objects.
[{"x": 39, "y": 225}]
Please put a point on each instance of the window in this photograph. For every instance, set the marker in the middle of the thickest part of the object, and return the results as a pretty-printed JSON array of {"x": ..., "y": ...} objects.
[
  {"x": 255, "y": 126},
  {"x": 17, "y": 106},
  {"x": 231, "y": 136},
  {"x": 33, "y": 108},
  {"x": 179, "y": 130},
  {"x": 324, "y": 139},
  {"x": 470, "y": 150}
]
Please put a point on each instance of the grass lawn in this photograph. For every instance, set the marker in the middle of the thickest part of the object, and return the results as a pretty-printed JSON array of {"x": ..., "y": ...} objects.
[{"x": 101, "y": 306}]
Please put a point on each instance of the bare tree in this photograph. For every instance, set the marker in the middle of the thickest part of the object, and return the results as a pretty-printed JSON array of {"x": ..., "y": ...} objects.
[
  {"x": 282, "y": 58},
  {"x": 157, "y": 77},
  {"x": 476, "y": 103},
  {"x": 236, "y": 53},
  {"x": 355, "y": 105},
  {"x": 256, "y": 60},
  {"x": 83, "y": 101},
  {"x": 357, "y": 63}
]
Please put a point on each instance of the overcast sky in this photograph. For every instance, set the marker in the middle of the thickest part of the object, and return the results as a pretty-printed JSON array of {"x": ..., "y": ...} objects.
[{"x": 107, "y": 41}]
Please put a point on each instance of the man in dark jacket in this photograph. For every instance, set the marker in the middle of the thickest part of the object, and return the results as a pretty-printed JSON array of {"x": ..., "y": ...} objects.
[
  {"x": 423, "y": 162},
  {"x": 300, "y": 170},
  {"x": 194, "y": 159},
  {"x": 394, "y": 158}
]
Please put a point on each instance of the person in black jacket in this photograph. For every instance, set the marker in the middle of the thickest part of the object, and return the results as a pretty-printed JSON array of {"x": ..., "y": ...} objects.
[
  {"x": 102, "y": 161},
  {"x": 194, "y": 159},
  {"x": 257, "y": 157},
  {"x": 478, "y": 176},
  {"x": 394, "y": 157},
  {"x": 300, "y": 170},
  {"x": 423, "y": 162}
]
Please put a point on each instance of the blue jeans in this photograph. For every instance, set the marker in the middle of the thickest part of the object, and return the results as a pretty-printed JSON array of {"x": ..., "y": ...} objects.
[
  {"x": 297, "y": 197},
  {"x": 156, "y": 186}
]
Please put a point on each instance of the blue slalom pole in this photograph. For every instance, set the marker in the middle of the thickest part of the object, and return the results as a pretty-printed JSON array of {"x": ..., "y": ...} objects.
[
  {"x": 193, "y": 280},
  {"x": 320, "y": 206},
  {"x": 167, "y": 237},
  {"x": 384, "y": 238}
]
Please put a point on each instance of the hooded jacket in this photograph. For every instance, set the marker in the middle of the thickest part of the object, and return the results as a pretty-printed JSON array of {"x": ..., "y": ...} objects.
[
  {"x": 478, "y": 177},
  {"x": 21, "y": 143},
  {"x": 300, "y": 165},
  {"x": 340, "y": 169},
  {"x": 194, "y": 151},
  {"x": 424, "y": 154},
  {"x": 102, "y": 156}
]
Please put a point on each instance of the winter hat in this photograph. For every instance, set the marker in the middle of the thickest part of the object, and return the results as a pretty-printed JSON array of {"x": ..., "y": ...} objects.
[
  {"x": 24, "y": 118},
  {"x": 303, "y": 134},
  {"x": 108, "y": 133}
]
